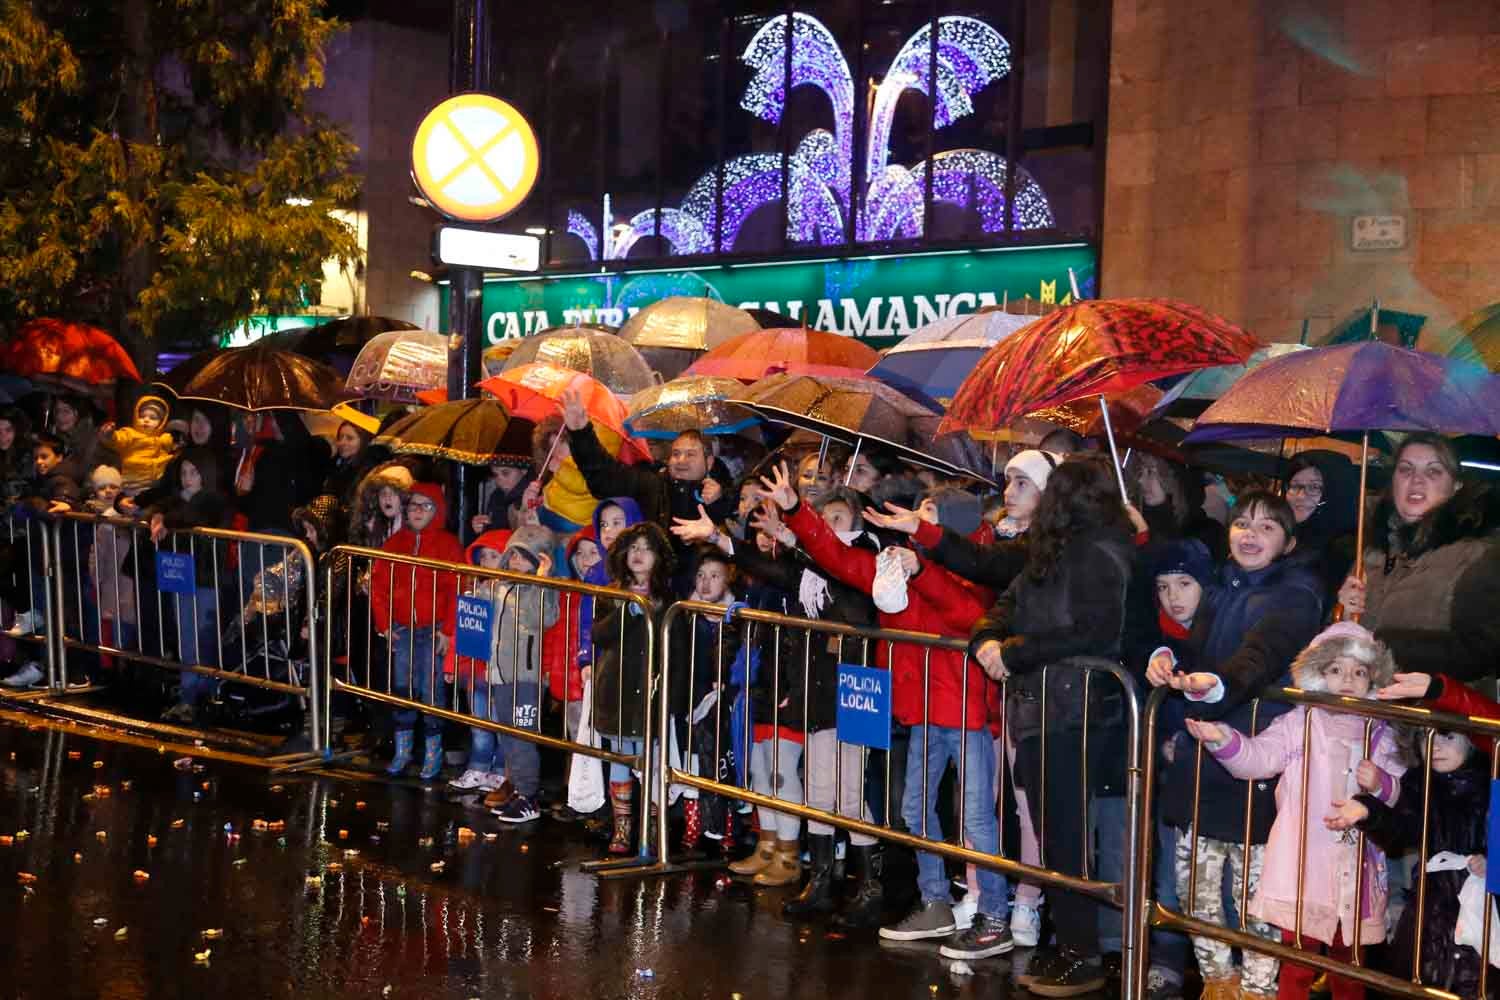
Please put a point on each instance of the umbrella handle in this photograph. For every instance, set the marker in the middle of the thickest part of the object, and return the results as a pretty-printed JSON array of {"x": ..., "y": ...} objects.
[{"x": 1114, "y": 452}]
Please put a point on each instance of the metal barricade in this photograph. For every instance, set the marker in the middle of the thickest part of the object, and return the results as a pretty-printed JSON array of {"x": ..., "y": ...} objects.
[
  {"x": 404, "y": 672},
  {"x": 877, "y": 647},
  {"x": 229, "y": 606},
  {"x": 1154, "y": 915},
  {"x": 26, "y": 569}
]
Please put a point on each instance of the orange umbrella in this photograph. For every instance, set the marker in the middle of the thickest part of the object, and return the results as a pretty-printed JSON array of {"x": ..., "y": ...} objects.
[
  {"x": 73, "y": 354},
  {"x": 752, "y": 356},
  {"x": 534, "y": 392}
]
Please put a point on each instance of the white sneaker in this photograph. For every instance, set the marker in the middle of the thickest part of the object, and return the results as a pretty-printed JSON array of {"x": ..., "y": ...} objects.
[
  {"x": 493, "y": 780},
  {"x": 1025, "y": 925},
  {"x": 27, "y": 623},
  {"x": 30, "y": 675},
  {"x": 471, "y": 780},
  {"x": 964, "y": 910}
]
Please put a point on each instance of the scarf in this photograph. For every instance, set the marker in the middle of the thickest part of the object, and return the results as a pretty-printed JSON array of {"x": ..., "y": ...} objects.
[{"x": 812, "y": 590}]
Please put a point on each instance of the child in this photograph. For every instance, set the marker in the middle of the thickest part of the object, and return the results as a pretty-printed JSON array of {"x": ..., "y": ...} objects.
[
  {"x": 703, "y": 726},
  {"x": 1456, "y": 808},
  {"x": 145, "y": 447},
  {"x": 510, "y": 690},
  {"x": 1310, "y": 873},
  {"x": 640, "y": 560},
  {"x": 111, "y": 594},
  {"x": 1263, "y": 610},
  {"x": 415, "y": 610},
  {"x": 560, "y": 649}
]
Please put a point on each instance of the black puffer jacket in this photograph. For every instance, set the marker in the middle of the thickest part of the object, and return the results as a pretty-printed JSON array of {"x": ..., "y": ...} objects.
[
  {"x": 1432, "y": 586},
  {"x": 1459, "y": 809},
  {"x": 1248, "y": 630},
  {"x": 622, "y": 667}
]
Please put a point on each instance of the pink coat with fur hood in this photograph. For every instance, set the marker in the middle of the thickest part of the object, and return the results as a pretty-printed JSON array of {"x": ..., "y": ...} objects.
[{"x": 1336, "y": 741}]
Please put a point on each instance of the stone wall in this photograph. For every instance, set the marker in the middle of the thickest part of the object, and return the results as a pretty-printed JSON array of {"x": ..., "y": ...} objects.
[{"x": 1244, "y": 137}]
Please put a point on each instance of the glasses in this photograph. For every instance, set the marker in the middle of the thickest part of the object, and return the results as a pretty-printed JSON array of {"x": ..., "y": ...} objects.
[
  {"x": 420, "y": 505},
  {"x": 1304, "y": 489}
]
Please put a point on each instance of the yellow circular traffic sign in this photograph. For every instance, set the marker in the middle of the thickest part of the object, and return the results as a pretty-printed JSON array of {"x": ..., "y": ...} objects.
[{"x": 474, "y": 158}]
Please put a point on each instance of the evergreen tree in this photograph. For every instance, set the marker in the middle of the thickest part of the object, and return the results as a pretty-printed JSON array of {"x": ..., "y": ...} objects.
[{"x": 163, "y": 176}]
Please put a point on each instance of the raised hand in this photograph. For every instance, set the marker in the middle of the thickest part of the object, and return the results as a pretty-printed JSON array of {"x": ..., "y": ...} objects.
[
  {"x": 778, "y": 486},
  {"x": 698, "y": 529},
  {"x": 575, "y": 414},
  {"x": 1159, "y": 670},
  {"x": 710, "y": 491},
  {"x": 898, "y": 518},
  {"x": 1405, "y": 686},
  {"x": 1352, "y": 596}
]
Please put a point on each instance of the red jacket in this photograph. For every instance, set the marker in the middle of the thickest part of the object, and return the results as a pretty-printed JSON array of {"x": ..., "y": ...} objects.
[
  {"x": 1458, "y": 698},
  {"x": 561, "y": 642},
  {"x": 408, "y": 601},
  {"x": 937, "y": 603}
]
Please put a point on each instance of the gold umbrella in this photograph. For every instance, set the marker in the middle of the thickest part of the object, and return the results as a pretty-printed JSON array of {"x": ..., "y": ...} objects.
[
  {"x": 594, "y": 350},
  {"x": 673, "y": 332},
  {"x": 690, "y": 402}
]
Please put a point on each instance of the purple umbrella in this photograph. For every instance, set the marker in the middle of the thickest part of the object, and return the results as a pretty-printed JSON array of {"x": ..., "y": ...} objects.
[{"x": 1355, "y": 388}]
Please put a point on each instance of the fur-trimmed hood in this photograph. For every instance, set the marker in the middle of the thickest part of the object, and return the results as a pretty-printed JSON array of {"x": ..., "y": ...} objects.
[
  {"x": 1472, "y": 512},
  {"x": 1343, "y": 639}
]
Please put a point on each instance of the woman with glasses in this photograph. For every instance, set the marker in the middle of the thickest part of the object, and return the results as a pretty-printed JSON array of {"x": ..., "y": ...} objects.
[{"x": 1323, "y": 492}]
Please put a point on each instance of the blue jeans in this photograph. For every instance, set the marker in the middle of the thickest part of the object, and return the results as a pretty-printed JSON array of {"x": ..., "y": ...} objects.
[
  {"x": 197, "y": 640},
  {"x": 488, "y": 750},
  {"x": 418, "y": 672},
  {"x": 1107, "y": 813},
  {"x": 619, "y": 772},
  {"x": 981, "y": 828}
]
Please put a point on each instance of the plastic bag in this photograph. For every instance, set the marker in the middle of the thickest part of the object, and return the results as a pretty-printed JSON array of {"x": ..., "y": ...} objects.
[
  {"x": 585, "y": 773},
  {"x": 1470, "y": 927}
]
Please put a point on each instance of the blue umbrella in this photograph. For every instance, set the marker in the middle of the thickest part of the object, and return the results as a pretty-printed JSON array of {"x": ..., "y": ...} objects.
[{"x": 935, "y": 359}]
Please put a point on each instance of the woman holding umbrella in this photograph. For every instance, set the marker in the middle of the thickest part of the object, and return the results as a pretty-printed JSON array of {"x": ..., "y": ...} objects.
[{"x": 1429, "y": 583}]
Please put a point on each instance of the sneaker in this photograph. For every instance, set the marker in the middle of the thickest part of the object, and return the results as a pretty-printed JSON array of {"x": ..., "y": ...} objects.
[
  {"x": 1073, "y": 976},
  {"x": 519, "y": 809},
  {"x": 1025, "y": 925},
  {"x": 30, "y": 675},
  {"x": 1039, "y": 965},
  {"x": 930, "y": 920},
  {"x": 964, "y": 910},
  {"x": 1162, "y": 985},
  {"x": 27, "y": 623},
  {"x": 502, "y": 794},
  {"x": 987, "y": 936},
  {"x": 78, "y": 682},
  {"x": 472, "y": 780}
]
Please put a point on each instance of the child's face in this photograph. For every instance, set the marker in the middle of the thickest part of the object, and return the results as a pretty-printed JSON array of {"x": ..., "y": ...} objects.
[
  {"x": 585, "y": 557},
  {"x": 346, "y": 442},
  {"x": 1178, "y": 595},
  {"x": 64, "y": 417},
  {"x": 45, "y": 459},
  {"x": 611, "y": 523},
  {"x": 1256, "y": 540},
  {"x": 813, "y": 479},
  {"x": 749, "y": 497},
  {"x": 713, "y": 582},
  {"x": 105, "y": 493},
  {"x": 1449, "y": 751},
  {"x": 390, "y": 502},
  {"x": 1348, "y": 677},
  {"x": 150, "y": 419},
  {"x": 310, "y": 533},
  {"x": 506, "y": 477},
  {"x": 491, "y": 559},
  {"x": 838, "y": 516},
  {"x": 519, "y": 562},
  {"x": 192, "y": 479},
  {"x": 7, "y": 435},
  {"x": 420, "y": 511},
  {"x": 1021, "y": 495},
  {"x": 641, "y": 559}
]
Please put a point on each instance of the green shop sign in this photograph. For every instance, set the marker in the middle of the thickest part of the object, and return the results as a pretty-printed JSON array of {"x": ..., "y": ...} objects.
[{"x": 878, "y": 298}]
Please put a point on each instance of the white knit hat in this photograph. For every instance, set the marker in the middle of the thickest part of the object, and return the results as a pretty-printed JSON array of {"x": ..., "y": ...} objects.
[
  {"x": 105, "y": 475},
  {"x": 1035, "y": 465}
]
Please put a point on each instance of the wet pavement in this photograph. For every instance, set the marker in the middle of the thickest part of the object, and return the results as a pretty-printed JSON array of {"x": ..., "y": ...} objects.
[{"x": 126, "y": 873}]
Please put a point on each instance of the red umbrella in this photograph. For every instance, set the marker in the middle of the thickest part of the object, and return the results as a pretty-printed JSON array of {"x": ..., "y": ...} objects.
[
  {"x": 73, "y": 354},
  {"x": 752, "y": 356},
  {"x": 1088, "y": 349},
  {"x": 534, "y": 392}
]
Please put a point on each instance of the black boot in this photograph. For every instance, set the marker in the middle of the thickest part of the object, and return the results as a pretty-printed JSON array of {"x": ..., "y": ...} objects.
[
  {"x": 866, "y": 908},
  {"x": 817, "y": 895}
]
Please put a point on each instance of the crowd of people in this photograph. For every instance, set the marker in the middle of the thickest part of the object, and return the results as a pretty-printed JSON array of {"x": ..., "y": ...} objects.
[{"x": 1213, "y": 589}]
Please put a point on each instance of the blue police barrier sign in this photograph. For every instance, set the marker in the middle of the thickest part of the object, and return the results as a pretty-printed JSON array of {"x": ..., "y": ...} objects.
[
  {"x": 864, "y": 716},
  {"x": 1492, "y": 862},
  {"x": 175, "y": 573},
  {"x": 475, "y": 616}
]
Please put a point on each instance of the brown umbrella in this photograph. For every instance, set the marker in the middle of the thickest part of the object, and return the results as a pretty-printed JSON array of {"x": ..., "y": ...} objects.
[
  {"x": 257, "y": 378},
  {"x": 691, "y": 402}
]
